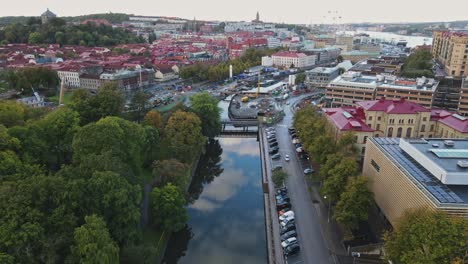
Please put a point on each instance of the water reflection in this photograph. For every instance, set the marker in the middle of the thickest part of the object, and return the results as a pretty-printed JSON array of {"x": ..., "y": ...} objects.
[{"x": 226, "y": 219}]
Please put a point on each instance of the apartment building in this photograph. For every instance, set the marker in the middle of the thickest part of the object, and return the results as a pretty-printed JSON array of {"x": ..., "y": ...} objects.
[
  {"x": 295, "y": 59},
  {"x": 463, "y": 101},
  {"x": 450, "y": 48},
  {"x": 351, "y": 87},
  {"x": 322, "y": 76},
  {"x": 412, "y": 173},
  {"x": 70, "y": 75}
]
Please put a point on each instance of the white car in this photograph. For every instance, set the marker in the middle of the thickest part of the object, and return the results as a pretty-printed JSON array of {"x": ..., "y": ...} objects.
[
  {"x": 286, "y": 215},
  {"x": 287, "y": 220},
  {"x": 289, "y": 241},
  {"x": 286, "y": 158},
  {"x": 308, "y": 170}
]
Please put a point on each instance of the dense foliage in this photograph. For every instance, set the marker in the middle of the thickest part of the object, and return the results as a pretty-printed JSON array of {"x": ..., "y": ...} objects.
[
  {"x": 57, "y": 31},
  {"x": 206, "y": 107},
  {"x": 220, "y": 71},
  {"x": 341, "y": 184},
  {"x": 72, "y": 179},
  {"x": 418, "y": 64},
  {"x": 24, "y": 80},
  {"x": 425, "y": 236}
]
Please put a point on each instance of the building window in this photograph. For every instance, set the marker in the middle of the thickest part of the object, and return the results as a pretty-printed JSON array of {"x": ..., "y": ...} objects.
[
  {"x": 408, "y": 132},
  {"x": 390, "y": 132},
  {"x": 370, "y": 118},
  {"x": 432, "y": 128},
  {"x": 355, "y": 139},
  {"x": 423, "y": 128},
  {"x": 365, "y": 140},
  {"x": 424, "y": 119},
  {"x": 392, "y": 121},
  {"x": 378, "y": 118},
  {"x": 363, "y": 150},
  {"x": 378, "y": 127},
  {"x": 374, "y": 164},
  {"x": 399, "y": 132},
  {"x": 369, "y": 125}
]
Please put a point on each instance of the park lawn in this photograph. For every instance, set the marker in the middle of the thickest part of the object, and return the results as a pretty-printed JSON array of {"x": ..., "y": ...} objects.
[{"x": 66, "y": 98}]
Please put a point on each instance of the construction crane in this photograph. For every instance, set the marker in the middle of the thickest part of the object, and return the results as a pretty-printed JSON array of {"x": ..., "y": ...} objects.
[{"x": 62, "y": 90}]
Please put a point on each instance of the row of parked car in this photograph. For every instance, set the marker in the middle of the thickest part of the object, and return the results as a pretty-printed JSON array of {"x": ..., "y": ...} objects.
[
  {"x": 273, "y": 146},
  {"x": 297, "y": 144},
  {"x": 287, "y": 223}
]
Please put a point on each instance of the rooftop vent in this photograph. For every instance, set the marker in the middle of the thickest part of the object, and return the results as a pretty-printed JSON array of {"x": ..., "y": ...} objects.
[
  {"x": 459, "y": 117},
  {"x": 462, "y": 163},
  {"x": 449, "y": 143}
]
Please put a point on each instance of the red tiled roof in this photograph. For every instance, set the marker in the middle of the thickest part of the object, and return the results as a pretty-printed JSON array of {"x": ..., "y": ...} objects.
[
  {"x": 393, "y": 107},
  {"x": 449, "y": 119},
  {"x": 348, "y": 119}
]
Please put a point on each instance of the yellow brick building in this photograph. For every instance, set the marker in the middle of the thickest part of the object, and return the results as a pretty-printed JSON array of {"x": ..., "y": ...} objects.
[{"x": 450, "y": 48}]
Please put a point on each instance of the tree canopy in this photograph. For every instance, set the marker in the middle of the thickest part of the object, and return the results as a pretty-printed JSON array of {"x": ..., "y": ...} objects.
[
  {"x": 168, "y": 207},
  {"x": 183, "y": 135},
  {"x": 418, "y": 64},
  {"x": 92, "y": 243},
  {"x": 354, "y": 203},
  {"x": 425, "y": 236},
  {"x": 206, "y": 107}
]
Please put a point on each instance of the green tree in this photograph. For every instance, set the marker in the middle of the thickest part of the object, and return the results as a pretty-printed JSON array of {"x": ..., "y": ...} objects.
[
  {"x": 425, "y": 236},
  {"x": 184, "y": 136},
  {"x": 57, "y": 130},
  {"x": 108, "y": 101},
  {"x": 139, "y": 105},
  {"x": 339, "y": 59},
  {"x": 300, "y": 78},
  {"x": 117, "y": 201},
  {"x": 168, "y": 208},
  {"x": 93, "y": 244},
  {"x": 278, "y": 177},
  {"x": 6, "y": 259},
  {"x": 418, "y": 64},
  {"x": 11, "y": 113},
  {"x": 7, "y": 141},
  {"x": 206, "y": 107},
  {"x": 334, "y": 185},
  {"x": 354, "y": 203},
  {"x": 34, "y": 38},
  {"x": 171, "y": 171},
  {"x": 123, "y": 139}
]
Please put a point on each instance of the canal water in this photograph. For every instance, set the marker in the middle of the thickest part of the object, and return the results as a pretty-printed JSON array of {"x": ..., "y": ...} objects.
[{"x": 226, "y": 216}]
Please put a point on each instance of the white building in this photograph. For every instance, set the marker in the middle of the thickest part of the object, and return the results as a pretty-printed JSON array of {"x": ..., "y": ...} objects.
[
  {"x": 273, "y": 42},
  {"x": 70, "y": 76},
  {"x": 267, "y": 61},
  {"x": 295, "y": 59},
  {"x": 248, "y": 26}
]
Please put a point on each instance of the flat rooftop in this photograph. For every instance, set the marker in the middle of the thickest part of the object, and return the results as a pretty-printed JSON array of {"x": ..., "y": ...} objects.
[{"x": 420, "y": 174}]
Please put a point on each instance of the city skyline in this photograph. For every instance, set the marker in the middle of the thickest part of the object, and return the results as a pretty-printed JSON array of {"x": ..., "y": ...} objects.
[{"x": 270, "y": 11}]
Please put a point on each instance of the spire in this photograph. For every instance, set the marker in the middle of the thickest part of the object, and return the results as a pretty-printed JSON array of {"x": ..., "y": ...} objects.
[{"x": 257, "y": 18}]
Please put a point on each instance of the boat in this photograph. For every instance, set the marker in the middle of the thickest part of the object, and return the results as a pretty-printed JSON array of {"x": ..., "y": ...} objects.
[{"x": 402, "y": 43}]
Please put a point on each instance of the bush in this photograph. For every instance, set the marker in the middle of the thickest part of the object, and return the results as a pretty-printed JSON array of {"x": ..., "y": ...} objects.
[{"x": 278, "y": 177}]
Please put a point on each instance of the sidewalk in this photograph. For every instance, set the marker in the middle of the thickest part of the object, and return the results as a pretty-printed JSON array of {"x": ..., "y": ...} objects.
[{"x": 330, "y": 230}]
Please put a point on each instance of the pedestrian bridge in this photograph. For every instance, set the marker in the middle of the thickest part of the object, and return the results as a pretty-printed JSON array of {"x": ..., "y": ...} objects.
[{"x": 239, "y": 127}]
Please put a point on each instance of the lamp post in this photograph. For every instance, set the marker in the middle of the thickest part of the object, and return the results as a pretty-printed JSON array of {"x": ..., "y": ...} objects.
[{"x": 329, "y": 208}]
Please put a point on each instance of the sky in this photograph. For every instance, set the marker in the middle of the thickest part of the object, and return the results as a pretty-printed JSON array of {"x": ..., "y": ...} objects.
[{"x": 280, "y": 11}]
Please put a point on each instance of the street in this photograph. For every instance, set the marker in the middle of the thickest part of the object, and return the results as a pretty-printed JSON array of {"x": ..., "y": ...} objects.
[{"x": 313, "y": 244}]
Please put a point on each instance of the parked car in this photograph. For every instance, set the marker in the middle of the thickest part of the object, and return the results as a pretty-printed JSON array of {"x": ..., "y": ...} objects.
[
  {"x": 276, "y": 156},
  {"x": 289, "y": 234},
  {"x": 269, "y": 129},
  {"x": 277, "y": 167},
  {"x": 298, "y": 145},
  {"x": 271, "y": 140},
  {"x": 282, "y": 199},
  {"x": 282, "y": 190},
  {"x": 292, "y": 250},
  {"x": 308, "y": 171},
  {"x": 271, "y": 136},
  {"x": 274, "y": 144},
  {"x": 286, "y": 158},
  {"x": 288, "y": 220},
  {"x": 289, "y": 241},
  {"x": 287, "y": 228},
  {"x": 286, "y": 215},
  {"x": 273, "y": 151}
]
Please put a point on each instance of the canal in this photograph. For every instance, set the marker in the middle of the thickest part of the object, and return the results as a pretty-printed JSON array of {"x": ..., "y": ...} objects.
[{"x": 226, "y": 216}]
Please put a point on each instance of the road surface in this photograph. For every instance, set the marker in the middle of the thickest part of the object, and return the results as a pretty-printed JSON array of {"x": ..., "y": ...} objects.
[{"x": 314, "y": 247}]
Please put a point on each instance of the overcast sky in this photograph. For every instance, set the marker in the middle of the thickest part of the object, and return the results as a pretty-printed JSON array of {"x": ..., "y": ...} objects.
[{"x": 294, "y": 11}]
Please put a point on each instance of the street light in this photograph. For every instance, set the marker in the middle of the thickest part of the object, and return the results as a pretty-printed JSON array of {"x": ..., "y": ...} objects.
[{"x": 329, "y": 208}]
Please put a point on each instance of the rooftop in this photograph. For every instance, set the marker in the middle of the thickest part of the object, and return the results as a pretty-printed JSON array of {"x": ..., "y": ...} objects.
[
  {"x": 289, "y": 54},
  {"x": 348, "y": 119},
  {"x": 413, "y": 158},
  {"x": 393, "y": 106}
]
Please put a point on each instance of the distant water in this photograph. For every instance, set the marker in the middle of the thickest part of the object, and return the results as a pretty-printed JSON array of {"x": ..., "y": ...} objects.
[{"x": 412, "y": 40}]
